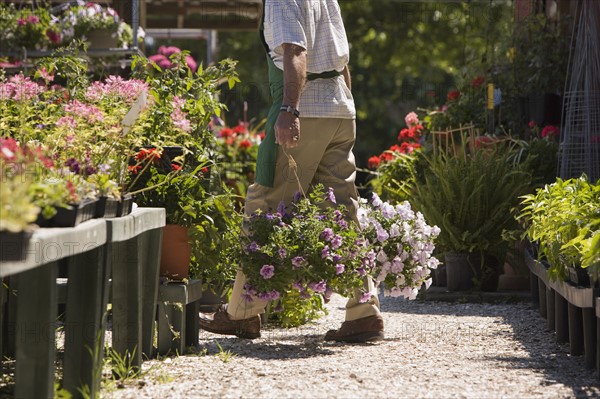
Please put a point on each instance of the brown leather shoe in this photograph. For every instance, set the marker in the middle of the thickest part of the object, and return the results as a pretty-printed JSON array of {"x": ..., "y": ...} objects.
[
  {"x": 359, "y": 330},
  {"x": 219, "y": 323}
]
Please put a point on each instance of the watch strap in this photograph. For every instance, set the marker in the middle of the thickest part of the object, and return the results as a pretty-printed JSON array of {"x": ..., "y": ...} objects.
[{"x": 290, "y": 109}]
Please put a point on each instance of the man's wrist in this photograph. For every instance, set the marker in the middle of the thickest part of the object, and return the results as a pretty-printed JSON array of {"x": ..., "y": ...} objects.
[{"x": 290, "y": 109}]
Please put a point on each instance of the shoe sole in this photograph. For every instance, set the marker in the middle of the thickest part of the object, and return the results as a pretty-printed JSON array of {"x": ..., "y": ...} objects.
[
  {"x": 369, "y": 336},
  {"x": 237, "y": 333}
]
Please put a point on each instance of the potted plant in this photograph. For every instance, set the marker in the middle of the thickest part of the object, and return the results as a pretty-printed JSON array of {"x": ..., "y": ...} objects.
[
  {"x": 469, "y": 196},
  {"x": 562, "y": 219},
  {"x": 18, "y": 212},
  {"x": 214, "y": 240},
  {"x": 27, "y": 28},
  {"x": 99, "y": 25},
  {"x": 181, "y": 107}
]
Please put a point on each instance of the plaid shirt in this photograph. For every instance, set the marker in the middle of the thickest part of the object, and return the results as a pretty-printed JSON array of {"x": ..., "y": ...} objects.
[{"x": 317, "y": 26}]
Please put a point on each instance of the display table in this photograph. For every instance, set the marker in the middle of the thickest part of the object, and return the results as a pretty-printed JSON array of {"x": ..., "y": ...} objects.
[
  {"x": 134, "y": 254},
  {"x": 129, "y": 248},
  {"x": 570, "y": 311}
]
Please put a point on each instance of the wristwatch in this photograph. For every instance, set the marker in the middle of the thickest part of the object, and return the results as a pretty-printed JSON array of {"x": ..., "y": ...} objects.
[{"x": 290, "y": 109}]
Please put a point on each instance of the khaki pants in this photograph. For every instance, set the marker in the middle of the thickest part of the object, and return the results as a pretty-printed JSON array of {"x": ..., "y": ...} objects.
[{"x": 323, "y": 155}]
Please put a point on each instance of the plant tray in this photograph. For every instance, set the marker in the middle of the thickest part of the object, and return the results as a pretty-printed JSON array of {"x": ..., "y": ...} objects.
[
  {"x": 106, "y": 207},
  {"x": 13, "y": 246},
  {"x": 78, "y": 213}
]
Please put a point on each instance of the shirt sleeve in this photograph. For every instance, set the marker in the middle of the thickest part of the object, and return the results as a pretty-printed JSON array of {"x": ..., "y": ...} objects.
[{"x": 286, "y": 20}]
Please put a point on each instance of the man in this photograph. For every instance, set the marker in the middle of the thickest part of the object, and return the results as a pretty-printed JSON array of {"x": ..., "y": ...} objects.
[{"x": 313, "y": 121}]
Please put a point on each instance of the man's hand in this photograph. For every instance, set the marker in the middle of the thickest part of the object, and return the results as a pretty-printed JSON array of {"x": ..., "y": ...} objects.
[
  {"x": 287, "y": 126},
  {"x": 287, "y": 130}
]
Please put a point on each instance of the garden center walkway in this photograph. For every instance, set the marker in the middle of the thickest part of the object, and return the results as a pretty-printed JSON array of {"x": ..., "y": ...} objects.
[{"x": 431, "y": 350}]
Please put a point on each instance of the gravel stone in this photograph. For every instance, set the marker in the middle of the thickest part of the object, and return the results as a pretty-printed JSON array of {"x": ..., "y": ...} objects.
[{"x": 431, "y": 350}]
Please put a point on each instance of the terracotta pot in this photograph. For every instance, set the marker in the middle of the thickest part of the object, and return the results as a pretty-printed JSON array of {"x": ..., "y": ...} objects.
[{"x": 176, "y": 252}]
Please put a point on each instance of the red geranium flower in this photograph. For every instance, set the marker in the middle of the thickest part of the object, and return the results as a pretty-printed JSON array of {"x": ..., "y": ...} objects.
[
  {"x": 403, "y": 135},
  {"x": 175, "y": 167},
  {"x": 396, "y": 148},
  {"x": 453, "y": 95},
  {"x": 239, "y": 129},
  {"x": 373, "y": 162},
  {"x": 386, "y": 156},
  {"x": 550, "y": 132},
  {"x": 245, "y": 144},
  {"x": 226, "y": 132},
  {"x": 478, "y": 82},
  {"x": 147, "y": 152},
  {"x": 134, "y": 169}
]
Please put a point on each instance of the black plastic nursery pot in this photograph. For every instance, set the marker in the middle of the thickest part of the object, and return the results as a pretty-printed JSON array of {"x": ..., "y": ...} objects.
[
  {"x": 72, "y": 216},
  {"x": 125, "y": 205},
  {"x": 462, "y": 268},
  {"x": 579, "y": 276},
  {"x": 13, "y": 246},
  {"x": 106, "y": 207}
]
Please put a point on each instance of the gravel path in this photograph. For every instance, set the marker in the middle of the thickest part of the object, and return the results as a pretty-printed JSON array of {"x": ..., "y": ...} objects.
[{"x": 431, "y": 350}]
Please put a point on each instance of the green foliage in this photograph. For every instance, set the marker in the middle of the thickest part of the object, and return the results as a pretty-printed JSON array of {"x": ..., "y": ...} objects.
[
  {"x": 541, "y": 55},
  {"x": 177, "y": 84},
  {"x": 294, "y": 311},
  {"x": 175, "y": 185},
  {"x": 469, "y": 196},
  {"x": 25, "y": 27},
  {"x": 563, "y": 219},
  {"x": 60, "y": 392},
  {"x": 224, "y": 355},
  {"x": 122, "y": 366},
  {"x": 215, "y": 239},
  {"x": 394, "y": 180},
  {"x": 540, "y": 157},
  {"x": 190, "y": 97},
  {"x": 406, "y": 55}
]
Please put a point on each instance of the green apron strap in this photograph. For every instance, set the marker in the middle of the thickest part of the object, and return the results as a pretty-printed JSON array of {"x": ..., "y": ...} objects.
[{"x": 267, "y": 151}]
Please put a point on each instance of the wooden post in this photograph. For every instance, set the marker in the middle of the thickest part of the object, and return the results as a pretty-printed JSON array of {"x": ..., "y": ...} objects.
[
  {"x": 550, "y": 308},
  {"x": 35, "y": 332},
  {"x": 85, "y": 322},
  {"x": 542, "y": 299},
  {"x": 11, "y": 318},
  {"x": 562, "y": 318},
  {"x": 575, "y": 330},
  {"x": 2, "y": 334},
  {"x": 127, "y": 299},
  {"x": 152, "y": 243},
  {"x": 533, "y": 286},
  {"x": 597, "y": 347},
  {"x": 589, "y": 337}
]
